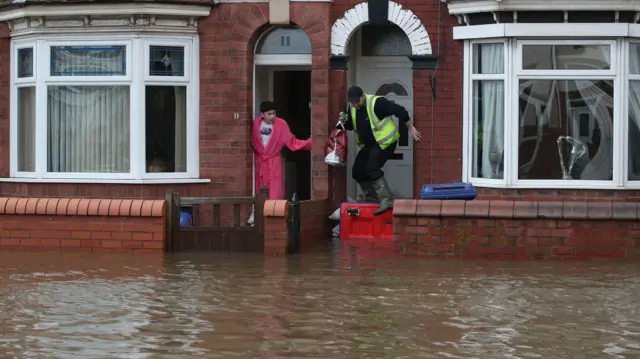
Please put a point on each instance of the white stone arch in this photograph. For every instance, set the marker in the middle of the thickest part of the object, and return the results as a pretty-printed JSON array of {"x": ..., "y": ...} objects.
[{"x": 358, "y": 15}]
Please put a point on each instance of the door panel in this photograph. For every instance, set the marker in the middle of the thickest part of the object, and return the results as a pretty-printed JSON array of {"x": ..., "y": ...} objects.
[{"x": 392, "y": 79}]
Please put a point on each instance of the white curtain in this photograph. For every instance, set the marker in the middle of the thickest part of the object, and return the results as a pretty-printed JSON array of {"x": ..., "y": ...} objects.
[
  {"x": 600, "y": 104},
  {"x": 88, "y": 125},
  {"x": 491, "y": 111},
  {"x": 546, "y": 107},
  {"x": 634, "y": 114},
  {"x": 181, "y": 129},
  {"x": 88, "y": 129},
  {"x": 27, "y": 129}
]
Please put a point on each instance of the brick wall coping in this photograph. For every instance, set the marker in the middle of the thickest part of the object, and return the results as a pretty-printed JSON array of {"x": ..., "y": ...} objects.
[
  {"x": 622, "y": 211},
  {"x": 276, "y": 208},
  {"x": 82, "y": 207}
]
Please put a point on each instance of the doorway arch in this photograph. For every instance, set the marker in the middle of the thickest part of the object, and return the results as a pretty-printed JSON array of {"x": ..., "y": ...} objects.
[
  {"x": 282, "y": 74},
  {"x": 344, "y": 28},
  {"x": 283, "y": 46}
]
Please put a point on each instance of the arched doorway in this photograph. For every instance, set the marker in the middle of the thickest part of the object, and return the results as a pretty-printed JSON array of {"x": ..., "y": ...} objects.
[
  {"x": 282, "y": 74},
  {"x": 380, "y": 65}
]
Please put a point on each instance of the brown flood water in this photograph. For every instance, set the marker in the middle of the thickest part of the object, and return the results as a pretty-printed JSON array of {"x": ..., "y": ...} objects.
[{"x": 331, "y": 304}]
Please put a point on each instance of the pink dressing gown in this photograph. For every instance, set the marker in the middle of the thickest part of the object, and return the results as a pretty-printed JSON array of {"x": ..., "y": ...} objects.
[{"x": 269, "y": 161}]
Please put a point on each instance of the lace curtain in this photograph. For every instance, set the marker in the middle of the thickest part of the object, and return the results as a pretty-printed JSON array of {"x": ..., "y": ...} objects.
[
  {"x": 488, "y": 113},
  {"x": 634, "y": 113}
]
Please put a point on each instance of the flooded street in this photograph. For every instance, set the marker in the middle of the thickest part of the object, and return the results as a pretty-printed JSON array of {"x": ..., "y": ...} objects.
[{"x": 333, "y": 304}]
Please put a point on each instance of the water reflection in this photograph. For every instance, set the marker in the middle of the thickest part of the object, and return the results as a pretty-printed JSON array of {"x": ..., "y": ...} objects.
[{"x": 331, "y": 304}]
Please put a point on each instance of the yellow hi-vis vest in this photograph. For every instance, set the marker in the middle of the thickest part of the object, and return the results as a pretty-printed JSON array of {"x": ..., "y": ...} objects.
[{"x": 384, "y": 131}]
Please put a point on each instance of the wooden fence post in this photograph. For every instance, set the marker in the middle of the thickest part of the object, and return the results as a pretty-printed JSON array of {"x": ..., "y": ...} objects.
[
  {"x": 293, "y": 226},
  {"x": 169, "y": 240},
  {"x": 176, "y": 221}
]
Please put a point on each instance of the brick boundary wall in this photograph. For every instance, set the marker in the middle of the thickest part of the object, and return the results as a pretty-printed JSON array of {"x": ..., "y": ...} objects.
[
  {"x": 523, "y": 230},
  {"x": 82, "y": 225},
  {"x": 276, "y": 233},
  {"x": 315, "y": 225}
]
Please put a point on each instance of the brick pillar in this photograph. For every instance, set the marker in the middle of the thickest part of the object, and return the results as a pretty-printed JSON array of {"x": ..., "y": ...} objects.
[
  {"x": 424, "y": 95},
  {"x": 337, "y": 103},
  {"x": 276, "y": 232}
]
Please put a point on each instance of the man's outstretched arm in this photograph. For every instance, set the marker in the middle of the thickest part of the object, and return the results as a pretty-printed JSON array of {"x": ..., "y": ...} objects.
[{"x": 384, "y": 108}]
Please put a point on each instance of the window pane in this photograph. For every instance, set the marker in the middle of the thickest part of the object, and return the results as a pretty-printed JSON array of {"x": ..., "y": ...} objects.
[
  {"x": 488, "y": 58},
  {"x": 166, "y": 128},
  {"x": 634, "y": 58},
  {"x": 25, "y": 62},
  {"x": 634, "y": 131},
  {"x": 488, "y": 129},
  {"x": 88, "y": 61},
  {"x": 27, "y": 129},
  {"x": 285, "y": 41},
  {"x": 566, "y": 57},
  {"x": 385, "y": 40},
  {"x": 166, "y": 61},
  {"x": 88, "y": 129},
  {"x": 566, "y": 130}
]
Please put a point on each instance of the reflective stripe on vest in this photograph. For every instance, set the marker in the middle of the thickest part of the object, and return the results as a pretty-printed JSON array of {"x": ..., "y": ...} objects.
[{"x": 376, "y": 125}]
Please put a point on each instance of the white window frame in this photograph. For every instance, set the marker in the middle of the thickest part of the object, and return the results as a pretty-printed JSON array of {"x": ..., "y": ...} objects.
[
  {"x": 514, "y": 73},
  {"x": 136, "y": 77},
  {"x": 468, "y": 105},
  {"x": 624, "y": 151}
]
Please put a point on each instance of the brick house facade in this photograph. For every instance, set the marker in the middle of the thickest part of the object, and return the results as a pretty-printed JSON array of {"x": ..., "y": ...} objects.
[
  {"x": 227, "y": 33},
  {"x": 457, "y": 65}
]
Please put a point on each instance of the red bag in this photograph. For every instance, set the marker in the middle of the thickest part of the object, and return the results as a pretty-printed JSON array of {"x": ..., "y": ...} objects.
[{"x": 335, "y": 152}]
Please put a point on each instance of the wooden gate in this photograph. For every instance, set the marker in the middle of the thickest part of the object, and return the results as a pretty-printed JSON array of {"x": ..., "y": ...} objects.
[{"x": 234, "y": 236}]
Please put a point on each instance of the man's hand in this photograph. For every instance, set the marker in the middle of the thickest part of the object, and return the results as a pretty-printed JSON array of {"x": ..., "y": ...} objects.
[{"x": 414, "y": 133}]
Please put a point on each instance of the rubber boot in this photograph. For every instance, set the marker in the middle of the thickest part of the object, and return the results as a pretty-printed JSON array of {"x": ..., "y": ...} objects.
[
  {"x": 369, "y": 191},
  {"x": 384, "y": 195}
]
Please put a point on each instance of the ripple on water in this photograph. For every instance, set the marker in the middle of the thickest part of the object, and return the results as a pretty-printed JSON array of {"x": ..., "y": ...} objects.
[{"x": 325, "y": 305}]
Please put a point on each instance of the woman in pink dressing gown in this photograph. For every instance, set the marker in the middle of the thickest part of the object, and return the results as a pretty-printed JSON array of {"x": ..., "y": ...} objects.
[{"x": 274, "y": 131}]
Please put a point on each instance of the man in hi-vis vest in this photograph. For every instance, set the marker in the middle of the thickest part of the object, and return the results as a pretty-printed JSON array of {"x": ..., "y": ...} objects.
[{"x": 377, "y": 136}]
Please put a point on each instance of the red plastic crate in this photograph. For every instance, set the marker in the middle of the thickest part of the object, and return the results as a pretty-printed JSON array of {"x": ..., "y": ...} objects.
[{"x": 358, "y": 222}]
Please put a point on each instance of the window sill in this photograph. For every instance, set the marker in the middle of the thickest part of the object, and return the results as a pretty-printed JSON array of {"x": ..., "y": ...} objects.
[
  {"x": 108, "y": 181},
  {"x": 556, "y": 186}
]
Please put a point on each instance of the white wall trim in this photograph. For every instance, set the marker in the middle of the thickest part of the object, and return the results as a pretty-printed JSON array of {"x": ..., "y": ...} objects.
[
  {"x": 262, "y": 1},
  {"x": 279, "y": 59},
  {"x": 106, "y": 9},
  {"x": 545, "y": 30},
  {"x": 461, "y": 7},
  {"x": 104, "y": 18},
  {"x": 358, "y": 15},
  {"x": 106, "y": 181}
]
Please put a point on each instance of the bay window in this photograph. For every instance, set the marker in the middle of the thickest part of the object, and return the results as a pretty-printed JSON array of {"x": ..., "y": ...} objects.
[
  {"x": 120, "y": 109},
  {"x": 551, "y": 113}
]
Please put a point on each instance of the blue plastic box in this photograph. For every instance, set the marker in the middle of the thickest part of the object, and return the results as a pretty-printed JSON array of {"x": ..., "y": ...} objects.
[{"x": 456, "y": 190}]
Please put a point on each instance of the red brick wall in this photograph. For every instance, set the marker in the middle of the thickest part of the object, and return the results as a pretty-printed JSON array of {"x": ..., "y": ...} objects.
[
  {"x": 227, "y": 40},
  {"x": 276, "y": 233},
  {"x": 314, "y": 223},
  {"x": 518, "y": 230},
  {"x": 579, "y": 195},
  {"x": 66, "y": 224}
]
